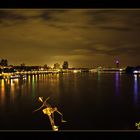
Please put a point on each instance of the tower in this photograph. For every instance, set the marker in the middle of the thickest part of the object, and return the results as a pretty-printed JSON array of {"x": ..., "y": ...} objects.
[{"x": 117, "y": 63}]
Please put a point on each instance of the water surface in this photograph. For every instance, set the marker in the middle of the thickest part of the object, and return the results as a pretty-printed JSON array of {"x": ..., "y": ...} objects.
[{"x": 88, "y": 101}]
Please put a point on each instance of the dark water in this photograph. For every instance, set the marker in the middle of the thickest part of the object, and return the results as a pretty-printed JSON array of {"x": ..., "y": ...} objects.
[{"x": 88, "y": 101}]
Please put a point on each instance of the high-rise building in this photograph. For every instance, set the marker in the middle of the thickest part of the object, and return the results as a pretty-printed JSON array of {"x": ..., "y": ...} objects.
[{"x": 65, "y": 65}]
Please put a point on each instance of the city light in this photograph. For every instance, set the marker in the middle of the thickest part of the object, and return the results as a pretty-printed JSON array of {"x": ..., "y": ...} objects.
[
  {"x": 75, "y": 71},
  {"x": 136, "y": 72}
]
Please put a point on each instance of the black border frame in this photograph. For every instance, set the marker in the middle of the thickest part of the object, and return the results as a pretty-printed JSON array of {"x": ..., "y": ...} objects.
[{"x": 72, "y": 4}]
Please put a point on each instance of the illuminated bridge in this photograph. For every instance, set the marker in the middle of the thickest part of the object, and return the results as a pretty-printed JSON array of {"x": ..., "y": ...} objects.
[{"x": 22, "y": 73}]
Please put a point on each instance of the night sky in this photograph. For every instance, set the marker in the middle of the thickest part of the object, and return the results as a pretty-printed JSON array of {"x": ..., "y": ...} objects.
[{"x": 84, "y": 38}]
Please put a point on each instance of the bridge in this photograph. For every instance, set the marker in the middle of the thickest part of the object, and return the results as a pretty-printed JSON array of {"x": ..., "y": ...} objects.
[{"x": 22, "y": 73}]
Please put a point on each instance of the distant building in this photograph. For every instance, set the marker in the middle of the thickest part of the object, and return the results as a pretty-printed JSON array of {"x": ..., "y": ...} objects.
[
  {"x": 23, "y": 64},
  {"x": 4, "y": 62},
  {"x": 56, "y": 66},
  {"x": 65, "y": 65},
  {"x": 46, "y": 67}
]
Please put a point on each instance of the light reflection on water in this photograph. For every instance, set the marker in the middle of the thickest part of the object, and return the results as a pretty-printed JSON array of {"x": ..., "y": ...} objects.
[
  {"x": 93, "y": 91},
  {"x": 99, "y": 75},
  {"x": 8, "y": 88},
  {"x": 2, "y": 92},
  {"x": 33, "y": 86},
  {"x": 53, "y": 82},
  {"x": 135, "y": 88},
  {"x": 33, "y": 82},
  {"x": 13, "y": 87},
  {"x": 117, "y": 83}
]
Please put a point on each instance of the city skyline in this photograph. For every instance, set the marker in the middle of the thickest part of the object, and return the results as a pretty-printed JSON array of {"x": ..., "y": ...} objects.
[{"x": 84, "y": 38}]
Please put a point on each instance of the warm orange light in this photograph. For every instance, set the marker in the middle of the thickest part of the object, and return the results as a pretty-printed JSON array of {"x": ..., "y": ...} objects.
[
  {"x": 2, "y": 90},
  {"x": 75, "y": 71},
  {"x": 40, "y": 99}
]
